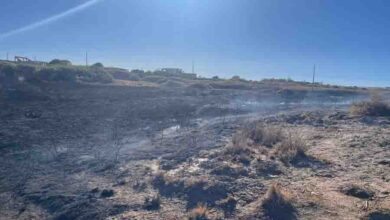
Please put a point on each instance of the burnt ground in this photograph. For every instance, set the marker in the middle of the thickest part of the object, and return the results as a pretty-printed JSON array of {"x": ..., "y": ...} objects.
[{"x": 103, "y": 152}]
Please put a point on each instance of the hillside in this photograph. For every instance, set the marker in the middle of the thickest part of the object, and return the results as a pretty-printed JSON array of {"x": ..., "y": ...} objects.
[{"x": 100, "y": 142}]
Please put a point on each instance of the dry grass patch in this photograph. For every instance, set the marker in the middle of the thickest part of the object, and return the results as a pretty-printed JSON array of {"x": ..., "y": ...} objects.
[
  {"x": 243, "y": 142},
  {"x": 239, "y": 141},
  {"x": 291, "y": 149},
  {"x": 257, "y": 133},
  {"x": 248, "y": 143},
  {"x": 230, "y": 170},
  {"x": 375, "y": 107},
  {"x": 263, "y": 134},
  {"x": 162, "y": 178}
]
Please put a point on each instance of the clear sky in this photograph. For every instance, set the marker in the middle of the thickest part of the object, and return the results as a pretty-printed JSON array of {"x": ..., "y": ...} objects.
[{"x": 348, "y": 40}]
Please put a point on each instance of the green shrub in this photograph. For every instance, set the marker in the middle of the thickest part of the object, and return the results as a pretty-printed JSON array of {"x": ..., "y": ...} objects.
[
  {"x": 61, "y": 73},
  {"x": 95, "y": 75},
  {"x": 98, "y": 65},
  {"x": 58, "y": 73},
  {"x": 26, "y": 71},
  {"x": 8, "y": 71},
  {"x": 60, "y": 62}
]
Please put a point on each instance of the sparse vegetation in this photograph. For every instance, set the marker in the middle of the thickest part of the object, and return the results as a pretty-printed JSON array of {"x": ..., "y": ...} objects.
[
  {"x": 228, "y": 170},
  {"x": 374, "y": 107},
  {"x": 203, "y": 174}
]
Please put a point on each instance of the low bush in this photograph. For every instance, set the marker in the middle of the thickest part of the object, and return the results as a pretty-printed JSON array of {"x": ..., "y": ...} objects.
[
  {"x": 374, "y": 107},
  {"x": 58, "y": 73},
  {"x": 10, "y": 72},
  {"x": 97, "y": 65},
  {"x": 96, "y": 76},
  {"x": 7, "y": 72}
]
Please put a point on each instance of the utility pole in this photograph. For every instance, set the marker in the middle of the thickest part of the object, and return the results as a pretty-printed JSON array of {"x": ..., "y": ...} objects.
[
  {"x": 193, "y": 67},
  {"x": 86, "y": 58},
  {"x": 314, "y": 75},
  {"x": 7, "y": 56}
]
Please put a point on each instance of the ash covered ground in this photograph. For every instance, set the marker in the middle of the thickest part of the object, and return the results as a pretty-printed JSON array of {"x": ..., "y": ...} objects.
[{"x": 72, "y": 151}]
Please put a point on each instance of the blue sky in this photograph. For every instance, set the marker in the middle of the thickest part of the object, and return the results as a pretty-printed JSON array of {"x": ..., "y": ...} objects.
[{"x": 348, "y": 40}]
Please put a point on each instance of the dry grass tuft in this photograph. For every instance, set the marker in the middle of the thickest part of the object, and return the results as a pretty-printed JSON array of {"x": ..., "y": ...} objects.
[
  {"x": 152, "y": 203},
  {"x": 274, "y": 196},
  {"x": 196, "y": 181},
  {"x": 291, "y": 148},
  {"x": 375, "y": 107},
  {"x": 199, "y": 213},
  {"x": 239, "y": 140},
  {"x": 262, "y": 134},
  {"x": 239, "y": 150},
  {"x": 161, "y": 178},
  {"x": 257, "y": 133},
  {"x": 276, "y": 204}
]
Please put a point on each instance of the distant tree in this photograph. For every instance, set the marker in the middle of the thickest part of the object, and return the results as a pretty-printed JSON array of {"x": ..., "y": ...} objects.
[
  {"x": 236, "y": 78},
  {"x": 98, "y": 65},
  {"x": 215, "y": 78},
  {"x": 137, "y": 71},
  {"x": 60, "y": 62}
]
